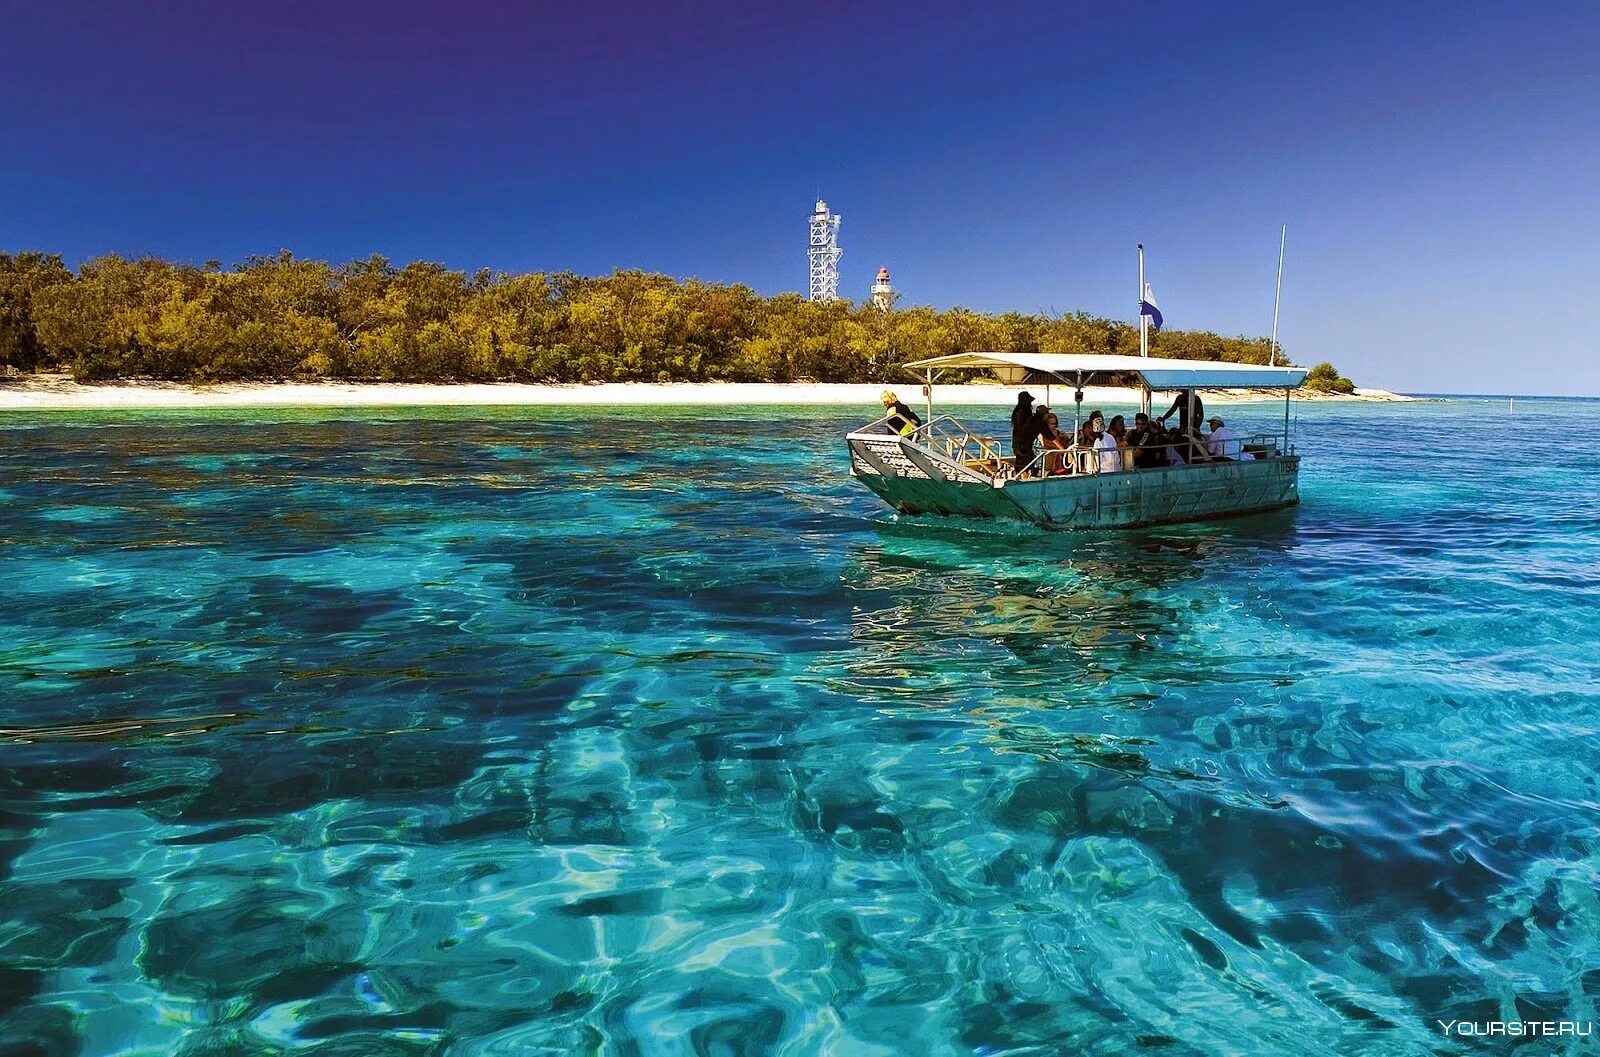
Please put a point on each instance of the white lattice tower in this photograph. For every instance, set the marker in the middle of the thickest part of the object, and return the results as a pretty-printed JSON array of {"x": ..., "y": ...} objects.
[{"x": 824, "y": 253}]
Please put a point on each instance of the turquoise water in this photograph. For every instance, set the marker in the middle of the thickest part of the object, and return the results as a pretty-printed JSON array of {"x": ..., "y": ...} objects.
[{"x": 509, "y": 732}]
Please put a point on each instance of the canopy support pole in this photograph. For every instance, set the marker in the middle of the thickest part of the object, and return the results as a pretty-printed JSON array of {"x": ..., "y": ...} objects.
[
  {"x": 927, "y": 391},
  {"x": 1286, "y": 393},
  {"x": 1144, "y": 332},
  {"x": 1144, "y": 397},
  {"x": 1077, "y": 418}
]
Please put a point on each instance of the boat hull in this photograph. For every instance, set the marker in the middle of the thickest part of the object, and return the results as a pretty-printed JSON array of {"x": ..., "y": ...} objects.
[{"x": 916, "y": 481}]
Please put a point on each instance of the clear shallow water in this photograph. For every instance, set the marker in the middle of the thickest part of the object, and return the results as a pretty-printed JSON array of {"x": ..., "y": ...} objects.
[{"x": 492, "y": 732}]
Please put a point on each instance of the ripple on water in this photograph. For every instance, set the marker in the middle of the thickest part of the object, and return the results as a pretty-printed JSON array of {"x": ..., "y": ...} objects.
[{"x": 485, "y": 731}]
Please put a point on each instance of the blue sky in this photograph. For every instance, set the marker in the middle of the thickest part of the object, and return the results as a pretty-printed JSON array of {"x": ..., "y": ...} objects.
[{"x": 1435, "y": 163}]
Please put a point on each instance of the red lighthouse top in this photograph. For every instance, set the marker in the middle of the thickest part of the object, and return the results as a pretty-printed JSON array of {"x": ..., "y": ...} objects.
[{"x": 883, "y": 275}]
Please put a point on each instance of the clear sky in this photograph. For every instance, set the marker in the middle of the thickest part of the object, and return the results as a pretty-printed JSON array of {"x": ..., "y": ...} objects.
[{"x": 1436, "y": 163}]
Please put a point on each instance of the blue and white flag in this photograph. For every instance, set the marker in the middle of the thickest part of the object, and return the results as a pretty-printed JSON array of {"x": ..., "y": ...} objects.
[{"x": 1147, "y": 307}]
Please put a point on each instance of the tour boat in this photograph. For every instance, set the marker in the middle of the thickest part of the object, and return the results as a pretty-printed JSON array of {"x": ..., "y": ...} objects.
[{"x": 944, "y": 468}]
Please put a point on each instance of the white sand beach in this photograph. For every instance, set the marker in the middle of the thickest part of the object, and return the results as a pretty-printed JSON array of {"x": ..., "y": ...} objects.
[{"x": 54, "y": 393}]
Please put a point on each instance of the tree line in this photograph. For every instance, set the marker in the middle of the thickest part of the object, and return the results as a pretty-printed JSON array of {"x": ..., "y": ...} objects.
[{"x": 282, "y": 317}]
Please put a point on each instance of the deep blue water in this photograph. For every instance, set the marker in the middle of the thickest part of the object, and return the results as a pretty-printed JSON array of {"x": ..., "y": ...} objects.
[{"x": 541, "y": 732}]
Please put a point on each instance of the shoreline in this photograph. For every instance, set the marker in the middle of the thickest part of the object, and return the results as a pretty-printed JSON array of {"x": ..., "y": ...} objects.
[{"x": 45, "y": 393}]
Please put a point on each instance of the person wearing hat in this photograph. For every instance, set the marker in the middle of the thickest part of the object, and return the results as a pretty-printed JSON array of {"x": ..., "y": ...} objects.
[
  {"x": 1223, "y": 443},
  {"x": 1023, "y": 432},
  {"x": 899, "y": 418}
]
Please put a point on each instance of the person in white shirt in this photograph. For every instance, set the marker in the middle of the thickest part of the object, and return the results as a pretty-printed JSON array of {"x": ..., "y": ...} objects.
[
  {"x": 1106, "y": 447},
  {"x": 1224, "y": 443}
]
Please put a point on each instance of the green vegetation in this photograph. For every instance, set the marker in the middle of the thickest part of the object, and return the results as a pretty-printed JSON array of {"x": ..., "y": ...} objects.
[
  {"x": 282, "y": 317},
  {"x": 23, "y": 278},
  {"x": 1324, "y": 378}
]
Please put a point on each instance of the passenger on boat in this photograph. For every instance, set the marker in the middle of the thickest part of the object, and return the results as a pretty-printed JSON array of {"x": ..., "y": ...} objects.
[
  {"x": 1190, "y": 411},
  {"x": 1145, "y": 440},
  {"x": 1052, "y": 441},
  {"x": 1224, "y": 443},
  {"x": 1119, "y": 429},
  {"x": 1108, "y": 446},
  {"x": 901, "y": 419},
  {"x": 1023, "y": 433},
  {"x": 1182, "y": 449},
  {"x": 1090, "y": 430},
  {"x": 1083, "y": 443}
]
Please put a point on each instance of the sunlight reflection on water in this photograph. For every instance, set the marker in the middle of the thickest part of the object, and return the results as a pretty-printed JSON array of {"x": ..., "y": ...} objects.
[{"x": 488, "y": 732}]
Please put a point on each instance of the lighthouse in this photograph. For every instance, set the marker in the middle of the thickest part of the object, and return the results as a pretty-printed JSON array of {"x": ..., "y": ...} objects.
[{"x": 882, "y": 292}]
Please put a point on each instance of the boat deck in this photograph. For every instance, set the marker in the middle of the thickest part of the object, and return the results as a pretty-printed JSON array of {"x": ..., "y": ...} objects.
[{"x": 943, "y": 468}]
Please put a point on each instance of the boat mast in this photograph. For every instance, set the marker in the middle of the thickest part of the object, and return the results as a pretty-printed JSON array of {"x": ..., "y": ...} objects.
[
  {"x": 1272, "y": 355},
  {"x": 1272, "y": 352}
]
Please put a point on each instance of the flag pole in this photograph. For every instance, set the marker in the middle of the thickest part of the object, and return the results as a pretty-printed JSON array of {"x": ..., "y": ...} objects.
[
  {"x": 1272, "y": 355},
  {"x": 1144, "y": 334}
]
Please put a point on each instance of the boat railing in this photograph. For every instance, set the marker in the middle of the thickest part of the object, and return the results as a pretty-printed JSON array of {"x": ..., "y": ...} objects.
[
  {"x": 877, "y": 425},
  {"x": 951, "y": 438},
  {"x": 948, "y": 437},
  {"x": 1075, "y": 461}
]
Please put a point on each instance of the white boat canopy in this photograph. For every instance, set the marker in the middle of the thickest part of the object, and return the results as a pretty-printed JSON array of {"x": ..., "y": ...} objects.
[{"x": 1077, "y": 369}]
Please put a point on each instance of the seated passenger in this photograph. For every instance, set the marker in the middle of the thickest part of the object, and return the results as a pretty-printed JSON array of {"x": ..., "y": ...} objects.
[
  {"x": 1090, "y": 430},
  {"x": 1083, "y": 443},
  {"x": 1118, "y": 428},
  {"x": 1107, "y": 448},
  {"x": 1038, "y": 426},
  {"x": 1054, "y": 445},
  {"x": 1182, "y": 449},
  {"x": 1145, "y": 440},
  {"x": 900, "y": 418},
  {"x": 1224, "y": 443}
]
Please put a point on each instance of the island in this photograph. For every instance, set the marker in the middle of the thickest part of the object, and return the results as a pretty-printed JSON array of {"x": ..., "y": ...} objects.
[{"x": 283, "y": 329}]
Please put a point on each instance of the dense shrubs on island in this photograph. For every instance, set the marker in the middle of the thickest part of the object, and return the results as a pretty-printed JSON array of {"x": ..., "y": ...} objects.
[
  {"x": 1323, "y": 378},
  {"x": 281, "y": 317}
]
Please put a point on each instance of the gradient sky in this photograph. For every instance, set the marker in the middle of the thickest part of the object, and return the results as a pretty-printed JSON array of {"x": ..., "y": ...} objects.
[{"x": 1436, "y": 163}]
